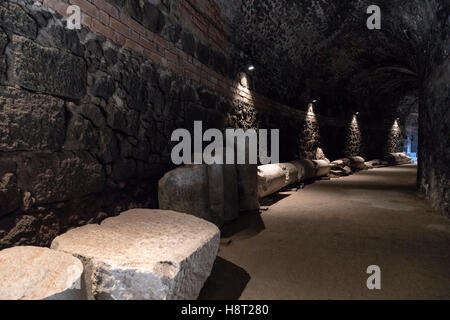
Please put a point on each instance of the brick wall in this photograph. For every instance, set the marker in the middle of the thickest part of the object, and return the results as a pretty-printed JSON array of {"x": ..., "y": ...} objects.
[{"x": 105, "y": 19}]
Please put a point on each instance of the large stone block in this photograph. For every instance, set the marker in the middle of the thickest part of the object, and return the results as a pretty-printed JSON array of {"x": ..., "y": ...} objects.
[
  {"x": 60, "y": 177},
  {"x": 357, "y": 163},
  {"x": 10, "y": 197},
  {"x": 9, "y": 193},
  {"x": 33, "y": 273},
  {"x": 3, "y": 43},
  {"x": 306, "y": 169},
  {"x": 223, "y": 192},
  {"x": 398, "y": 158},
  {"x": 14, "y": 19},
  {"x": 31, "y": 122},
  {"x": 48, "y": 70},
  {"x": 271, "y": 179},
  {"x": 208, "y": 192},
  {"x": 144, "y": 255},
  {"x": 247, "y": 177},
  {"x": 323, "y": 168},
  {"x": 290, "y": 171},
  {"x": 185, "y": 189}
]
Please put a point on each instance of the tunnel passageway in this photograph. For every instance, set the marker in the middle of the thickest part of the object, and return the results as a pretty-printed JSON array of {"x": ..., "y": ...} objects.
[{"x": 317, "y": 243}]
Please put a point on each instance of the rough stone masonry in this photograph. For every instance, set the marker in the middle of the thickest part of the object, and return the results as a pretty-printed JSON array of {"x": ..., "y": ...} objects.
[{"x": 86, "y": 115}]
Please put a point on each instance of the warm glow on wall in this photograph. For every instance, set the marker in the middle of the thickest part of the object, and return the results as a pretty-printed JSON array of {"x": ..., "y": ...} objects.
[
  {"x": 395, "y": 140},
  {"x": 310, "y": 135},
  {"x": 310, "y": 114},
  {"x": 244, "y": 83},
  {"x": 396, "y": 127},
  {"x": 354, "y": 138}
]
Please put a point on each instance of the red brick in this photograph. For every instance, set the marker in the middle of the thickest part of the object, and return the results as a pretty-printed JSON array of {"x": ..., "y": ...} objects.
[
  {"x": 119, "y": 39},
  {"x": 149, "y": 45},
  {"x": 134, "y": 36},
  {"x": 108, "y": 8},
  {"x": 86, "y": 20},
  {"x": 103, "y": 17},
  {"x": 58, "y": 6},
  {"x": 171, "y": 56},
  {"x": 130, "y": 44},
  {"x": 86, "y": 7},
  {"x": 100, "y": 28},
  {"x": 137, "y": 27},
  {"x": 153, "y": 56},
  {"x": 118, "y": 26},
  {"x": 162, "y": 42}
]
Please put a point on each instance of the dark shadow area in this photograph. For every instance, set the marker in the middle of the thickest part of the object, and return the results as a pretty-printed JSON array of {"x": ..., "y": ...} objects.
[
  {"x": 249, "y": 224},
  {"x": 272, "y": 199},
  {"x": 227, "y": 282}
]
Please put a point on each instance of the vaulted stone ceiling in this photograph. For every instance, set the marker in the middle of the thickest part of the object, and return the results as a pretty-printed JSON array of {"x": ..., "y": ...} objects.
[{"x": 322, "y": 49}]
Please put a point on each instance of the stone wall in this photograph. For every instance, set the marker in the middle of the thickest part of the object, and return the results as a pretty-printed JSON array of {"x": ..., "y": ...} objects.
[
  {"x": 86, "y": 116},
  {"x": 85, "y": 125},
  {"x": 434, "y": 141}
]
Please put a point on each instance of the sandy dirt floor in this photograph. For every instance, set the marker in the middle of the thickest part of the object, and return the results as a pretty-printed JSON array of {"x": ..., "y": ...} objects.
[{"x": 317, "y": 242}]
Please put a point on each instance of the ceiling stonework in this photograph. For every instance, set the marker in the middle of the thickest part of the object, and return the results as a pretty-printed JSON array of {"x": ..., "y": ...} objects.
[{"x": 322, "y": 49}]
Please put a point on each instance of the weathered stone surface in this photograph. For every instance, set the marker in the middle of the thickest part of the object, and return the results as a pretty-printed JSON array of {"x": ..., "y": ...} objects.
[
  {"x": 274, "y": 177},
  {"x": 122, "y": 119},
  {"x": 306, "y": 169},
  {"x": 271, "y": 178},
  {"x": 185, "y": 189},
  {"x": 374, "y": 163},
  {"x": 247, "y": 178},
  {"x": 103, "y": 88},
  {"x": 322, "y": 168},
  {"x": 60, "y": 177},
  {"x": 9, "y": 193},
  {"x": 3, "y": 43},
  {"x": 29, "y": 121},
  {"x": 60, "y": 37},
  {"x": 223, "y": 192},
  {"x": 81, "y": 135},
  {"x": 145, "y": 255},
  {"x": 357, "y": 163},
  {"x": 320, "y": 155},
  {"x": 33, "y": 273},
  {"x": 290, "y": 171},
  {"x": 153, "y": 18},
  {"x": 208, "y": 192},
  {"x": 398, "y": 158},
  {"x": 48, "y": 70},
  {"x": 14, "y": 19}
]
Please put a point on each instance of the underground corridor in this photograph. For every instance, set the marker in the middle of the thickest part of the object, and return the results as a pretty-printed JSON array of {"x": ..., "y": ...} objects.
[{"x": 208, "y": 150}]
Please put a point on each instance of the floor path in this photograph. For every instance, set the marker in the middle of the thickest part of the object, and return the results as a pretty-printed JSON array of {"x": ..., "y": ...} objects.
[{"x": 317, "y": 243}]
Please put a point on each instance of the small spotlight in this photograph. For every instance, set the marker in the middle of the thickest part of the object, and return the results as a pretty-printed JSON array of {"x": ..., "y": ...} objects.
[
  {"x": 357, "y": 113},
  {"x": 251, "y": 68},
  {"x": 314, "y": 101}
]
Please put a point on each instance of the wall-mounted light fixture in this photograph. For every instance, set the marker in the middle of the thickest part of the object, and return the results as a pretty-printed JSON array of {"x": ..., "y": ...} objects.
[{"x": 251, "y": 67}]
